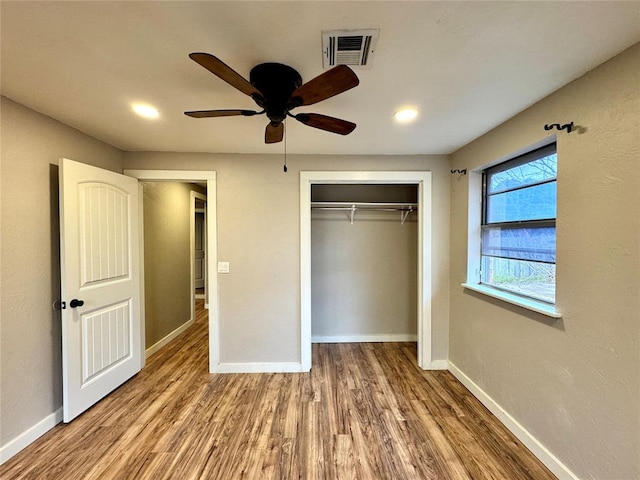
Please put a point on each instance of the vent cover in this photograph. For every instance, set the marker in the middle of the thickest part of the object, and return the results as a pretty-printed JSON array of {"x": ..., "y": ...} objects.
[{"x": 349, "y": 47}]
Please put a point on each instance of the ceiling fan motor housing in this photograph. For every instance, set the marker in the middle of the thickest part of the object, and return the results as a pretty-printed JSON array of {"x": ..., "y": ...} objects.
[{"x": 276, "y": 82}]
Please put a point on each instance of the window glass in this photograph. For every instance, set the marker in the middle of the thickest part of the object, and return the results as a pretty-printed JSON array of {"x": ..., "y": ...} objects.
[
  {"x": 529, "y": 279},
  {"x": 530, "y": 203},
  {"x": 521, "y": 175},
  {"x": 518, "y": 241},
  {"x": 537, "y": 244}
]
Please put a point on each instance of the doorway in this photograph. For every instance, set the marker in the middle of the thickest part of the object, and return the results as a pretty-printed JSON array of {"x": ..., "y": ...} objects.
[
  {"x": 199, "y": 245},
  {"x": 422, "y": 180},
  {"x": 169, "y": 259},
  {"x": 207, "y": 178}
]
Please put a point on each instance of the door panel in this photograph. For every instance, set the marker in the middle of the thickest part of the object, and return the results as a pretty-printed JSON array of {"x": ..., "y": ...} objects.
[
  {"x": 104, "y": 218},
  {"x": 106, "y": 339},
  {"x": 100, "y": 263}
]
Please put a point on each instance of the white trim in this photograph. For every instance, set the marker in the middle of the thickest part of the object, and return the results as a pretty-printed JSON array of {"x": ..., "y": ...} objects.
[
  {"x": 211, "y": 303},
  {"x": 258, "y": 367},
  {"x": 391, "y": 337},
  {"x": 559, "y": 469},
  {"x": 513, "y": 299},
  {"x": 173, "y": 335},
  {"x": 23, "y": 440},
  {"x": 423, "y": 180},
  {"x": 439, "y": 365},
  {"x": 171, "y": 175},
  {"x": 143, "y": 334},
  {"x": 474, "y": 221}
]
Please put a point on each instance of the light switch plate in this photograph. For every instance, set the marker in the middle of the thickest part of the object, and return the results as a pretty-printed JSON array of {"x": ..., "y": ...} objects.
[{"x": 223, "y": 267}]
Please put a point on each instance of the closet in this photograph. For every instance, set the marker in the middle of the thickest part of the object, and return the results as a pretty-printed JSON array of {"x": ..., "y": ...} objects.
[{"x": 364, "y": 244}]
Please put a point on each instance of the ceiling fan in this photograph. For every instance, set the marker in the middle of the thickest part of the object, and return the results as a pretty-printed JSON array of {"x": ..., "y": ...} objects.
[{"x": 278, "y": 89}]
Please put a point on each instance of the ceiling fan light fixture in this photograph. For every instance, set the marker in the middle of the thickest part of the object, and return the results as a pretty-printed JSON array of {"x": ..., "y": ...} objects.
[
  {"x": 406, "y": 115},
  {"x": 146, "y": 111}
]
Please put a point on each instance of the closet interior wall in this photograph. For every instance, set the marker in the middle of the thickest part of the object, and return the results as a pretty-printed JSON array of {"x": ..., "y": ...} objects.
[{"x": 364, "y": 263}]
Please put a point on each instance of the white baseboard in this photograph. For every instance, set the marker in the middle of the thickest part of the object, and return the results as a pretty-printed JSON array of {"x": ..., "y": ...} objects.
[
  {"x": 43, "y": 426},
  {"x": 364, "y": 338},
  {"x": 438, "y": 365},
  {"x": 30, "y": 435},
  {"x": 538, "y": 449},
  {"x": 275, "y": 367},
  {"x": 157, "y": 346}
]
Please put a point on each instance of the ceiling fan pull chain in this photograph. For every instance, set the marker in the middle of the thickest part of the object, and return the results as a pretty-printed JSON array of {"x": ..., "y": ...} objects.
[{"x": 284, "y": 124}]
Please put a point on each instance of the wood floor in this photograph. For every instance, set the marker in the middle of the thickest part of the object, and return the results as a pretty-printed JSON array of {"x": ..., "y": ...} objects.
[{"x": 364, "y": 412}]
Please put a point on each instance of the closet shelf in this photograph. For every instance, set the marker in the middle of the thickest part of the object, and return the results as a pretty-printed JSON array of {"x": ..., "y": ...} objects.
[{"x": 405, "y": 209}]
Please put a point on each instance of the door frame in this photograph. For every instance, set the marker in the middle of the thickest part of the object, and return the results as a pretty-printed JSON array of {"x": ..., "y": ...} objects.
[
  {"x": 194, "y": 176},
  {"x": 423, "y": 182},
  {"x": 192, "y": 250}
]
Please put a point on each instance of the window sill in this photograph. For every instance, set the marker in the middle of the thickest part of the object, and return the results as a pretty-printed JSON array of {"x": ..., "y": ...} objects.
[{"x": 529, "y": 304}]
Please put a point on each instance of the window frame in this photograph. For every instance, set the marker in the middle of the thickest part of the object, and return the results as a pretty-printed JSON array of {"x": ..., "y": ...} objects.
[{"x": 477, "y": 219}]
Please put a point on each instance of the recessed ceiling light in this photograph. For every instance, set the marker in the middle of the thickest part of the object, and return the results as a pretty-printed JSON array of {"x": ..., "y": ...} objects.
[
  {"x": 146, "y": 111},
  {"x": 406, "y": 115}
]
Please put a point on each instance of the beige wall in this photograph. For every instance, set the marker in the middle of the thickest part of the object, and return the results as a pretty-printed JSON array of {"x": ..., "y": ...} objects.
[
  {"x": 30, "y": 330},
  {"x": 363, "y": 275},
  {"x": 259, "y": 234},
  {"x": 573, "y": 383},
  {"x": 167, "y": 267}
]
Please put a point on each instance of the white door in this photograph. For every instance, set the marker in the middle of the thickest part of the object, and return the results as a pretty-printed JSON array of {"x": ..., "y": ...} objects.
[{"x": 100, "y": 264}]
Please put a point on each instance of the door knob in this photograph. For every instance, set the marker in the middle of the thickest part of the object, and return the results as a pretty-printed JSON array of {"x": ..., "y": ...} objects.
[{"x": 76, "y": 303}]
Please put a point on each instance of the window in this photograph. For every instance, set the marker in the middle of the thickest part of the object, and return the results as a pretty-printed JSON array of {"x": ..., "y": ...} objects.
[{"x": 518, "y": 241}]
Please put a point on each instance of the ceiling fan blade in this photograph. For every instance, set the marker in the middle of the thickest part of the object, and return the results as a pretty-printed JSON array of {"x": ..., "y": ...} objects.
[
  {"x": 225, "y": 72},
  {"x": 324, "y": 122},
  {"x": 274, "y": 132},
  {"x": 332, "y": 82},
  {"x": 221, "y": 113}
]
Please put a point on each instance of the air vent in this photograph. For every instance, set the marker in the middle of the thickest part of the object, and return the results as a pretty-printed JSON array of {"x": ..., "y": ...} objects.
[{"x": 349, "y": 47}]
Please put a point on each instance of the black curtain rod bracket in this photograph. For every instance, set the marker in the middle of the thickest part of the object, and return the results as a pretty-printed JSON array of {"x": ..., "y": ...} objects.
[
  {"x": 567, "y": 126},
  {"x": 462, "y": 172}
]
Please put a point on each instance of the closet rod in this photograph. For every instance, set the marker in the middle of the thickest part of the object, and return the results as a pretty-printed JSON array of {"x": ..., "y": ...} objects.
[
  {"x": 390, "y": 207},
  {"x": 351, "y": 207}
]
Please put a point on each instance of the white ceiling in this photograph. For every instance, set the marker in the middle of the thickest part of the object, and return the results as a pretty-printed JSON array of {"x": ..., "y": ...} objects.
[{"x": 468, "y": 66}]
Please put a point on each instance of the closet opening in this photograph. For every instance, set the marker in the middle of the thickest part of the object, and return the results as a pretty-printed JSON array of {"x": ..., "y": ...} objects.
[
  {"x": 364, "y": 263},
  {"x": 337, "y": 306}
]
